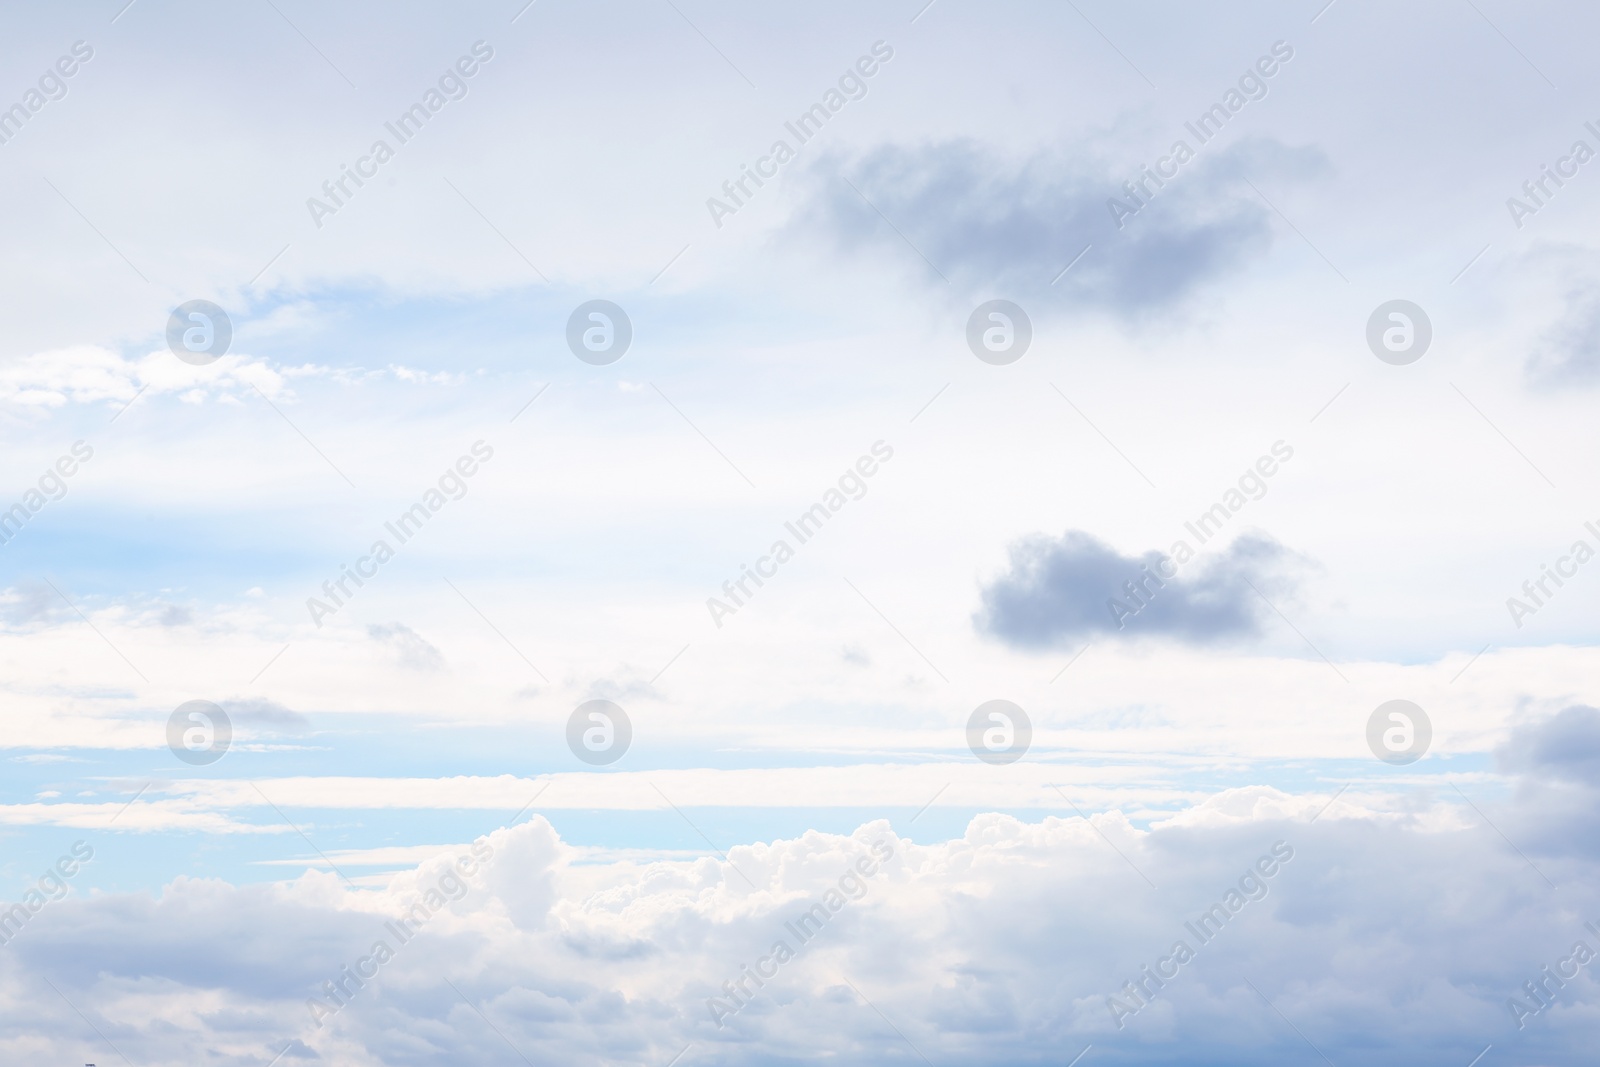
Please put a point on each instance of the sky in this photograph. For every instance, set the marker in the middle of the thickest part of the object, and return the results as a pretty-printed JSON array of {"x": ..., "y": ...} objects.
[{"x": 682, "y": 533}]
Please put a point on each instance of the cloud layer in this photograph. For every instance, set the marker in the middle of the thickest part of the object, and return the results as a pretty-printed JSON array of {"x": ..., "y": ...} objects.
[{"x": 1012, "y": 943}]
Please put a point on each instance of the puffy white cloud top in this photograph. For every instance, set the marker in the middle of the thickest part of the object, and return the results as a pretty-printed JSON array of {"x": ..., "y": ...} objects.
[{"x": 1243, "y": 937}]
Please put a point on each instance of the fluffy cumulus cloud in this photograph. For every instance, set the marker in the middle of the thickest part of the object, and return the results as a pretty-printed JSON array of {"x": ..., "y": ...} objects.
[
  {"x": 1256, "y": 935},
  {"x": 1071, "y": 587}
]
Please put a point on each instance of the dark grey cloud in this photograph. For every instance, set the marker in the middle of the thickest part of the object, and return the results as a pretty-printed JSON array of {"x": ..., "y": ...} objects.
[
  {"x": 1566, "y": 746},
  {"x": 1569, "y": 353},
  {"x": 1556, "y": 761},
  {"x": 411, "y": 647},
  {"x": 983, "y": 222},
  {"x": 1073, "y": 587}
]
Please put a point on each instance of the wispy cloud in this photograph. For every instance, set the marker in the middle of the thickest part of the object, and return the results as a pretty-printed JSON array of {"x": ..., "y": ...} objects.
[{"x": 989, "y": 220}]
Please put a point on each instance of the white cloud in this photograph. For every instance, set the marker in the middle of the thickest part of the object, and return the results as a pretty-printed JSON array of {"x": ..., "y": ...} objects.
[
  {"x": 1003, "y": 945},
  {"x": 89, "y": 374},
  {"x": 122, "y": 815}
]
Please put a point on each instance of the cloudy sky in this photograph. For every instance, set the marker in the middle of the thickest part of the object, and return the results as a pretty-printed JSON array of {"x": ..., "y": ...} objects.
[{"x": 516, "y": 519}]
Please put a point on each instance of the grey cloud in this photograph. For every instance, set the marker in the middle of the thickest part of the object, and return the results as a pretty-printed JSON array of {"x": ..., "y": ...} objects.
[
  {"x": 176, "y": 615},
  {"x": 986, "y": 224},
  {"x": 622, "y": 684},
  {"x": 1061, "y": 589},
  {"x": 1565, "y": 746},
  {"x": 413, "y": 650},
  {"x": 30, "y": 602},
  {"x": 266, "y": 715},
  {"x": 1569, "y": 353},
  {"x": 1557, "y": 764}
]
